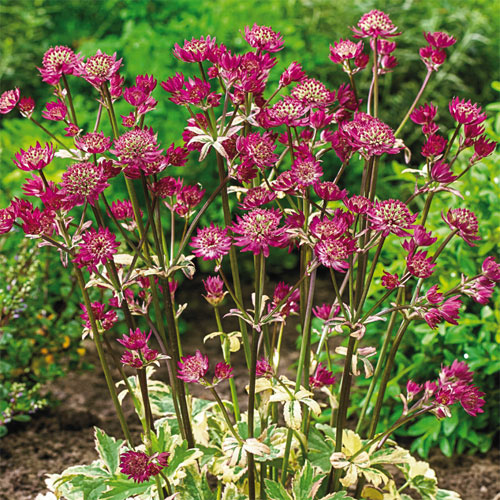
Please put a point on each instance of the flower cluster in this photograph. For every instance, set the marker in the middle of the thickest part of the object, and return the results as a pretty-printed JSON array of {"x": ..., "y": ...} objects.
[
  {"x": 137, "y": 354},
  {"x": 193, "y": 369},
  {"x": 140, "y": 466}
]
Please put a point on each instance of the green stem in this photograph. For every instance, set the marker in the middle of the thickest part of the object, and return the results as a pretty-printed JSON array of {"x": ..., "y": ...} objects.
[
  {"x": 225, "y": 415},
  {"x": 70, "y": 99}
]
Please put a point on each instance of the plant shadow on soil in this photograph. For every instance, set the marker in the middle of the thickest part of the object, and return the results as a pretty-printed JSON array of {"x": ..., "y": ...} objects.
[{"x": 62, "y": 436}]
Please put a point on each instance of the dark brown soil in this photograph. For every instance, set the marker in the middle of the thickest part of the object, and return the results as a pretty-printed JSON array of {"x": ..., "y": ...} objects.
[{"x": 63, "y": 436}]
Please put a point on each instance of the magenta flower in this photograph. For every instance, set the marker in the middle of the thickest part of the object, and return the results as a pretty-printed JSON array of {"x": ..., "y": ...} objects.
[
  {"x": 432, "y": 58},
  {"x": 472, "y": 400},
  {"x": 256, "y": 197},
  {"x": 491, "y": 269},
  {"x": 370, "y": 136},
  {"x": 375, "y": 24},
  {"x": 26, "y": 106},
  {"x": 197, "y": 50},
  {"x": 146, "y": 83},
  {"x": 293, "y": 73},
  {"x": 214, "y": 287},
  {"x": 71, "y": 130},
  {"x": 434, "y": 145},
  {"x": 107, "y": 319},
  {"x": 166, "y": 186},
  {"x": 100, "y": 68},
  {"x": 140, "y": 467},
  {"x": 259, "y": 229},
  {"x": 306, "y": 171},
  {"x": 55, "y": 111},
  {"x": 329, "y": 191},
  {"x": 135, "y": 96},
  {"x": 466, "y": 113},
  {"x": 440, "y": 172},
  {"x": 257, "y": 149},
  {"x": 6, "y": 220},
  {"x": 465, "y": 221},
  {"x": 323, "y": 228},
  {"x": 358, "y": 204},
  {"x": 34, "y": 158},
  {"x": 194, "y": 92},
  {"x": 449, "y": 309},
  {"x": 122, "y": 209},
  {"x": 291, "y": 305},
  {"x": 96, "y": 247},
  {"x": 57, "y": 61},
  {"x": 93, "y": 143},
  {"x": 313, "y": 93},
  {"x": 424, "y": 115},
  {"x": 481, "y": 289},
  {"x": 288, "y": 111},
  {"x": 188, "y": 198},
  {"x": 211, "y": 243},
  {"x": 391, "y": 216},
  {"x": 321, "y": 377},
  {"x": 135, "y": 340},
  {"x": 82, "y": 182},
  {"x": 223, "y": 371},
  {"x": 412, "y": 389},
  {"x": 439, "y": 39},
  {"x": 193, "y": 368},
  {"x": 482, "y": 148},
  {"x": 390, "y": 281},
  {"x": 263, "y": 38},
  {"x": 419, "y": 265},
  {"x": 264, "y": 369},
  {"x": 326, "y": 311},
  {"x": 8, "y": 100},
  {"x": 344, "y": 50},
  {"x": 333, "y": 252},
  {"x": 137, "y": 148}
]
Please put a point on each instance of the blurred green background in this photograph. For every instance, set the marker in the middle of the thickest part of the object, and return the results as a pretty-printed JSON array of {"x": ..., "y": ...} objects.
[{"x": 144, "y": 33}]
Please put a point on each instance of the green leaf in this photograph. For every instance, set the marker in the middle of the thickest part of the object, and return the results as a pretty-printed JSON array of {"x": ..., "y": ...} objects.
[
  {"x": 276, "y": 491},
  {"x": 194, "y": 487},
  {"x": 447, "y": 495},
  {"x": 446, "y": 447},
  {"x": 182, "y": 457},
  {"x": 80, "y": 487},
  {"x": 319, "y": 449},
  {"x": 122, "y": 489},
  {"x": 108, "y": 448}
]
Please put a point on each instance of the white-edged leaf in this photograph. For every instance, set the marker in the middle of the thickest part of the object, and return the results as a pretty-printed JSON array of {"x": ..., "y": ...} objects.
[
  {"x": 108, "y": 448},
  {"x": 293, "y": 414}
]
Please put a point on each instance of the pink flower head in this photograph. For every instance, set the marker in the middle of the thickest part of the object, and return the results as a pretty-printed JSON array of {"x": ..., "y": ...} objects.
[
  {"x": 100, "y": 68},
  {"x": 440, "y": 172},
  {"x": 420, "y": 265},
  {"x": 193, "y": 368},
  {"x": 391, "y": 216},
  {"x": 214, "y": 287},
  {"x": 370, "y": 136},
  {"x": 194, "y": 92},
  {"x": 329, "y": 191},
  {"x": 256, "y": 197},
  {"x": 137, "y": 148},
  {"x": 57, "y": 61},
  {"x": 306, "y": 171},
  {"x": 34, "y": 158},
  {"x": 26, "y": 106},
  {"x": 82, "y": 182},
  {"x": 140, "y": 467},
  {"x": 264, "y": 369},
  {"x": 293, "y": 73},
  {"x": 313, "y": 93},
  {"x": 412, "y": 389},
  {"x": 71, "y": 130},
  {"x": 291, "y": 305},
  {"x": 321, "y": 377},
  {"x": 93, "y": 143},
  {"x": 472, "y": 400},
  {"x": 458, "y": 371},
  {"x": 197, "y": 50},
  {"x": 449, "y": 309},
  {"x": 358, "y": 204},
  {"x": 55, "y": 111},
  {"x": 257, "y": 149},
  {"x": 421, "y": 237},
  {"x": 433, "y": 318},
  {"x": 96, "y": 247},
  {"x": 263, "y": 38},
  {"x": 6, "y": 220},
  {"x": 435, "y": 145},
  {"x": 465, "y": 221},
  {"x": 333, "y": 252},
  {"x": 135, "y": 96},
  {"x": 259, "y": 229},
  {"x": 116, "y": 86},
  {"x": 211, "y": 242},
  {"x": 375, "y": 24},
  {"x": 38, "y": 222},
  {"x": 176, "y": 156},
  {"x": 439, "y": 40},
  {"x": 433, "y": 296},
  {"x": 425, "y": 114},
  {"x": 326, "y": 311},
  {"x": 288, "y": 111},
  {"x": 466, "y": 113},
  {"x": 122, "y": 210},
  {"x": 481, "y": 289},
  {"x": 166, "y": 186},
  {"x": 223, "y": 371},
  {"x": 344, "y": 50},
  {"x": 8, "y": 100},
  {"x": 323, "y": 228},
  {"x": 135, "y": 341},
  {"x": 107, "y": 319},
  {"x": 482, "y": 148},
  {"x": 432, "y": 58},
  {"x": 188, "y": 198},
  {"x": 491, "y": 269},
  {"x": 390, "y": 281}
]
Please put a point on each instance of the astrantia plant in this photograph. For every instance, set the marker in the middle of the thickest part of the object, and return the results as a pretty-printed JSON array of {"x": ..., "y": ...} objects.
[{"x": 271, "y": 150}]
